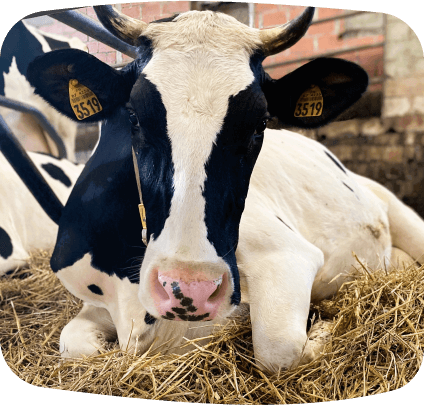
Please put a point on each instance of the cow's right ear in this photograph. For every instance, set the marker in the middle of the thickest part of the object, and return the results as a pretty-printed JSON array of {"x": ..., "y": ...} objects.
[{"x": 79, "y": 85}]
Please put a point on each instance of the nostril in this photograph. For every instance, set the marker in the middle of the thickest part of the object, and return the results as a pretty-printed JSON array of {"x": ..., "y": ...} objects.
[
  {"x": 159, "y": 287},
  {"x": 214, "y": 294},
  {"x": 221, "y": 284}
]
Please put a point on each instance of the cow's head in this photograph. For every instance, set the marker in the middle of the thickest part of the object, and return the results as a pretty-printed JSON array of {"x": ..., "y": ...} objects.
[{"x": 198, "y": 101}]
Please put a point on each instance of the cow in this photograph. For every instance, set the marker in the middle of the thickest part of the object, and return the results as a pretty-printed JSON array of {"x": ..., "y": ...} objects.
[
  {"x": 23, "y": 44},
  {"x": 24, "y": 225},
  {"x": 230, "y": 211}
]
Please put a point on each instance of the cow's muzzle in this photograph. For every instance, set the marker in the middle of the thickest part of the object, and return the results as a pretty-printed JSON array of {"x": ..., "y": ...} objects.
[{"x": 186, "y": 298}]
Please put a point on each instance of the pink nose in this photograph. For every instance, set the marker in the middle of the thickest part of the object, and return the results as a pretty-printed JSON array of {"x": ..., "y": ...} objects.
[{"x": 180, "y": 299}]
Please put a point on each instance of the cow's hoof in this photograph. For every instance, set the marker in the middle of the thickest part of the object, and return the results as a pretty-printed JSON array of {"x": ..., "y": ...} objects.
[
  {"x": 318, "y": 336},
  {"x": 90, "y": 345}
]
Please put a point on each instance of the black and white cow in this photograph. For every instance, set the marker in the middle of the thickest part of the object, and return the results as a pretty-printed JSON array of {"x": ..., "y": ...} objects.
[
  {"x": 24, "y": 225},
  {"x": 194, "y": 107},
  {"x": 22, "y": 45}
]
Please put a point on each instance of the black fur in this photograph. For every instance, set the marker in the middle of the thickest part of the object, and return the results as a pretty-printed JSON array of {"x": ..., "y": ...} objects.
[{"x": 6, "y": 247}]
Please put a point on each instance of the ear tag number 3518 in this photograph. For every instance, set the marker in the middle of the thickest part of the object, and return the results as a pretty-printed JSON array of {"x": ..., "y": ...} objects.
[
  {"x": 310, "y": 103},
  {"x": 83, "y": 101}
]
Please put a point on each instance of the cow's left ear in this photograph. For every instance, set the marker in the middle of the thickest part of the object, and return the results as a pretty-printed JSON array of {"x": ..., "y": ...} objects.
[
  {"x": 79, "y": 85},
  {"x": 316, "y": 93}
]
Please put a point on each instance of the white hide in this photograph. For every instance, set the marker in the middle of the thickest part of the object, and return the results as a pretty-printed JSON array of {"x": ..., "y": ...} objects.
[{"x": 22, "y": 217}]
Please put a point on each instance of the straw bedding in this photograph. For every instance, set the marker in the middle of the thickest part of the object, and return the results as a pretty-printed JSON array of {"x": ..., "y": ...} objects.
[{"x": 376, "y": 346}]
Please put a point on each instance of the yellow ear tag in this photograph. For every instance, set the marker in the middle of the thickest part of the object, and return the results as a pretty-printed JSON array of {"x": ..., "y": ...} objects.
[
  {"x": 83, "y": 101},
  {"x": 310, "y": 103}
]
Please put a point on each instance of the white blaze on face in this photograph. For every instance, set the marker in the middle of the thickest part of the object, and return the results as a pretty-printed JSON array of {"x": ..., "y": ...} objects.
[{"x": 198, "y": 63}]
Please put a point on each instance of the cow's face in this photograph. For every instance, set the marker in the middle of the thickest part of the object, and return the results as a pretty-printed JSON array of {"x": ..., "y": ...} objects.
[
  {"x": 202, "y": 135},
  {"x": 198, "y": 101}
]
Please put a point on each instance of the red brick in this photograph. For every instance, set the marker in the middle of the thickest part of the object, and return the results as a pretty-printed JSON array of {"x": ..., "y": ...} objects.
[
  {"x": 273, "y": 19},
  {"x": 132, "y": 11},
  {"x": 281, "y": 71},
  {"x": 126, "y": 58},
  {"x": 304, "y": 47},
  {"x": 166, "y": 15},
  {"x": 295, "y": 11},
  {"x": 101, "y": 56},
  {"x": 93, "y": 47},
  {"x": 364, "y": 40},
  {"x": 280, "y": 57},
  {"x": 266, "y": 8},
  {"x": 80, "y": 35},
  {"x": 91, "y": 13},
  {"x": 327, "y": 28},
  {"x": 329, "y": 42},
  {"x": 328, "y": 12},
  {"x": 149, "y": 9},
  {"x": 155, "y": 17},
  {"x": 104, "y": 48},
  {"x": 350, "y": 56},
  {"x": 111, "y": 58},
  {"x": 54, "y": 29},
  {"x": 372, "y": 61},
  {"x": 258, "y": 21},
  {"x": 173, "y": 7},
  {"x": 274, "y": 72}
]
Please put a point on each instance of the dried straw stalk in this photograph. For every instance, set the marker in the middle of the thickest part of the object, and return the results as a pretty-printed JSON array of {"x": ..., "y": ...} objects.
[{"x": 377, "y": 346}]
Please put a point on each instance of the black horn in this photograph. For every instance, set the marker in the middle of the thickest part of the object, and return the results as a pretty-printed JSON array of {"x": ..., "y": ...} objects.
[
  {"x": 278, "y": 39},
  {"x": 126, "y": 28}
]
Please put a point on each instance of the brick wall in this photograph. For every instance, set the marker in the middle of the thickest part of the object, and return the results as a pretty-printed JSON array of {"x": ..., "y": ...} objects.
[
  {"x": 404, "y": 87},
  {"x": 145, "y": 11},
  {"x": 325, "y": 37}
]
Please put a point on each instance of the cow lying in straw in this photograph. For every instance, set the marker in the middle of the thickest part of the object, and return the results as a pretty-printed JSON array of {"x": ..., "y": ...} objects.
[{"x": 184, "y": 125}]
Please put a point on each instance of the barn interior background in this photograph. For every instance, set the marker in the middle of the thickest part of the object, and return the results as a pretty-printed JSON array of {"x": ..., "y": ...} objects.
[{"x": 381, "y": 137}]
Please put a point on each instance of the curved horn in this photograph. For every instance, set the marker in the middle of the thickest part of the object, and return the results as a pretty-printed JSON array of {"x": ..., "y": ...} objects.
[
  {"x": 280, "y": 38},
  {"x": 122, "y": 26}
]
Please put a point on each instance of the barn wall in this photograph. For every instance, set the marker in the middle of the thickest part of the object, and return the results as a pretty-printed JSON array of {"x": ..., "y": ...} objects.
[
  {"x": 330, "y": 36},
  {"x": 389, "y": 148},
  {"x": 145, "y": 11}
]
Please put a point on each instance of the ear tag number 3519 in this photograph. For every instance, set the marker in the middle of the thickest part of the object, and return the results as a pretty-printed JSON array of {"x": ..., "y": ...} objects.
[
  {"x": 310, "y": 103},
  {"x": 83, "y": 101}
]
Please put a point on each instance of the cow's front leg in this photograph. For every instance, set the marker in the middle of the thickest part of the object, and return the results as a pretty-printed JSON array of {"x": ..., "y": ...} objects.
[
  {"x": 279, "y": 286},
  {"x": 90, "y": 330}
]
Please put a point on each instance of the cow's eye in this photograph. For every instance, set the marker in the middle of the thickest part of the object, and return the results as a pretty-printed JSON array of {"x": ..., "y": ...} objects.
[
  {"x": 261, "y": 127},
  {"x": 133, "y": 119}
]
